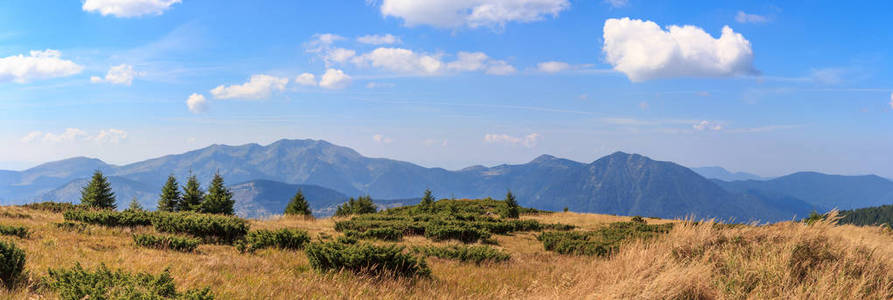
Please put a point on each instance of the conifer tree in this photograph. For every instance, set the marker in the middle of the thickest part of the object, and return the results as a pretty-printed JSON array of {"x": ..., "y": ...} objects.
[
  {"x": 512, "y": 210},
  {"x": 298, "y": 206},
  {"x": 427, "y": 203},
  {"x": 192, "y": 195},
  {"x": 219, "y": 199},
  {"x": 170, "y": 195},
  {"x": 98, "y": 193},
  {"x": 135, "y": 205}
]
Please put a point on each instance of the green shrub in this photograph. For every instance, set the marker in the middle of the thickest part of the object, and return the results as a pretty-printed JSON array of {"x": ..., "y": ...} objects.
[
  {"x": 18, "y": 231},
  {"x": 365, "y": 258},
  {"x": 638, "y": 219},
  {"x": 14, "y": 215},
  {"x": 211, "y": 228},
  {"x": 385, "y": 234},
  {"x": 77, "y": 283},
  {"x": 601, "y": 242},
  {"x": 362, "y": 205},
  {"x": 475, "y": 254},
  {"x": 72, "y": 226},
  {"x": 176, "y": 243},
  {"x": 110, "y": 218},
  {"x": 463, "y": 233},
  {"x": 12, "y": 263},
  {"x": 56, "y": 207},
  {"x": 285, "y": 238}
]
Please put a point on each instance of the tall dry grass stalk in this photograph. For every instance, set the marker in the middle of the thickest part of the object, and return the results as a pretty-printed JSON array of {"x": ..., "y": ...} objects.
[{"x": 694, "y": 261}]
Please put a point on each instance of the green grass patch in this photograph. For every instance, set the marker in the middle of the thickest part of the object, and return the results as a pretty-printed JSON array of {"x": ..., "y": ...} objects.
[
  {"x": 464, "y": 253},
  {"x": 166, "y": 242},
  {"x": 601, "y": 242}
]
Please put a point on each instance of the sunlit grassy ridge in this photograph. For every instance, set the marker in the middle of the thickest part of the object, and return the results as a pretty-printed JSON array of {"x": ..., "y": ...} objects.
[{"x": 786, "y": 260}]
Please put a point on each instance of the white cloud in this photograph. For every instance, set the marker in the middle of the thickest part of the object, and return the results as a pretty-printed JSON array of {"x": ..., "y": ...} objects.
[
  {"x": 381, "y": 139},
  {"x": 258, "y": 87},
  {"x": 499, "y": 67},
  {"x": 643, "y": 51},
  {"x": 374, "y": 39},
  {"x": 38, "y": 65},
  {"x": 471, "y": 13},
  {"x": 197, "y": 103},
  {"x": 128, "y": 8},
  {"x": 743, "y": 17},
  {"x": 468, "y": 61},
  {"x": 375, "y": 85},
  {"x": 120, "y": 74},
  {"x": 891, "y": 100},
  {"x": 401, "y": 61},
  {"x": 334, "y": 79},
  {"x": 306, "y": 79},
  {"x": 552, "y": 66},
  {"x": 617, "y": 3},
  {"x": 707, "y": 125},
  {"x": 110, "y": 136},
  {"x": 104, "y": 136},
  {"x": 435, "y": 142},
  {"x": 338, "y": 55},
  {"x": 528, "y": 141}
]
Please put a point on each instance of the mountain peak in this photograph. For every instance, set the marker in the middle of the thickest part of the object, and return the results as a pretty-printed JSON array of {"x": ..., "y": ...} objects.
[{"x": 543, "y": 158}]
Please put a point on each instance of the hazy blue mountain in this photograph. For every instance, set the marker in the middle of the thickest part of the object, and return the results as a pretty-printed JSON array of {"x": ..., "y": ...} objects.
[
  {"x": 619, "y": 183},
  {"x": 723, "y": 174},
  {"x": 822, "y": 190},
  {"x": 17, "y": 187},
  {"x": 125, "y": 190},
  {"x": 262, "y": 198}
]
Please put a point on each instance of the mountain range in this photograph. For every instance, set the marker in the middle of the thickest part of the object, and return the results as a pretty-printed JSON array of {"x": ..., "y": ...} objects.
[{"x": 266, "y": 177}]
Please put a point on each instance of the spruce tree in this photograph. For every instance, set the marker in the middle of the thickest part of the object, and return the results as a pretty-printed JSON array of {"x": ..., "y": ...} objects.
[
  {"x": 192, "y": 195},
  {"x": 427, "y": 203},
  {"x": 135, "y": 205},
  {"x": 170, "y": 195},
  {"x": 219, "y": 199},
  {"x": 298, "y": 205},
  {"x": 98, "y": 193},
  {"x": 512, "y": 211}
]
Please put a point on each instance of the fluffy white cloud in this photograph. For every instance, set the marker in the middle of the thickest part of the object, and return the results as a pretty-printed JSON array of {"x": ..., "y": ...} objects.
[
  {"x": 110, "y": 136},
  {"x": 381, "y": 139},
  {"x": 121, "y": 74},
  {"x": 891, "y": 100},
  {"x": 338, "y": 55},
  {"x": 468, "y": 61},
  {"x": 471, "y": 13},
  {"x": 197, "y": 103},
  {"x": 528, "y": 141},
  {"x": 105, "y": 136},
  {"x": 743, "y": 17},
  {"x": 401, "y": 61},
  {"x": 334, "y": 79},
  {"x": 38, "y": 65},
  {"x": 499, "y": 67},
  {"x": 258, "y": 87},
  {"x": 306, "y": 79},
  {"x": 643, "y": 51},
  {"x": 552, "y": 66},
  {"x": 707, "y": 125},
  {"x": 128, "y": 8},
  {"x": 374, "y": 39}
]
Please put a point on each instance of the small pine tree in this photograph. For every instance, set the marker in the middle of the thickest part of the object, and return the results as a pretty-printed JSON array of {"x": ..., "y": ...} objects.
[
  {"x": 298, "y": 206},
  {"x": 98, "y": 193},
  {"x": 219, "y": 199},
  {"x": 512, "y": 211},
  {"x": 135, "y": 205},
  {"x": 170, "y": 195},
  {"x": 362, "y": 205},
  {"x": 192, "y": 195},
  {"x": 427, "y": 203}
]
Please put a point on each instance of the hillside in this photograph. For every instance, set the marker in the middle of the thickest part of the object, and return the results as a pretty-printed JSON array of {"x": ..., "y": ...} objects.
[
  {"x": 871, "y": 216},
  {"x": 691, "y": 261}
]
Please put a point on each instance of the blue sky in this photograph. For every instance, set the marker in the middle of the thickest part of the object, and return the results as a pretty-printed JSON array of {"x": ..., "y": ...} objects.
[{"x": 788, "y": 86}]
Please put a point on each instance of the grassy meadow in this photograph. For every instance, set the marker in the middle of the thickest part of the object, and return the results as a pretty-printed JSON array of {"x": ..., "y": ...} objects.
[{"x": 702, "y": 260}]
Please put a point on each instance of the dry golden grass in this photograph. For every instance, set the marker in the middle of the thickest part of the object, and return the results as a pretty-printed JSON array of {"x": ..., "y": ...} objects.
[{"x": 786, "y": 260}]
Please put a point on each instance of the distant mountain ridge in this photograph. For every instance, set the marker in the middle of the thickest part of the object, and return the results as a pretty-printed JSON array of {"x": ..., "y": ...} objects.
[
  {"x": 823, "y": 190},
  {"x": 620, "y": 183},
  {"x": 725, "y": 175}
]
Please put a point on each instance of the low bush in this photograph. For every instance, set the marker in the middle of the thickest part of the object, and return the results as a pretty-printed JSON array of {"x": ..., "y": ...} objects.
[
  {"x": 600, "y": 242},
  {"x": 14, "y": 215},
  {"x": 176, "y": 243},
  {"x": 285, "y": 238},
  {"x": 462, "y": 233},
  {"x": 363, "y": 258},
  {"x": 12, "y": 263},
  {"x": 78, "y": 283},
  {"x": 56, "y": 207},
  {"x": 72, "y": 226},
  {"x": 385, "y": 234},
  {"x": 18, "y": 231},
  {"x": 109, "y": 218},
  {"x": 475, "y": 254},
  {"x": 211, "y": 228}
]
